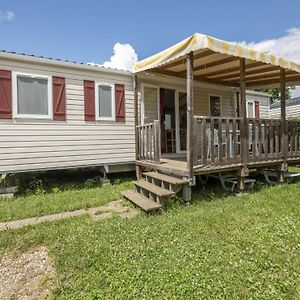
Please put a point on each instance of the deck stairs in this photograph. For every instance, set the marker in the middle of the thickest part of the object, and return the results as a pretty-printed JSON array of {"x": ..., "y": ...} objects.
[{"x": 155, "y": 187}]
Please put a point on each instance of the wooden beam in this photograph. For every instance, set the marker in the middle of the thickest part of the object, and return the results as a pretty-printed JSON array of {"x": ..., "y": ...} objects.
[
  {"x": 263, "y": 76},
  {"x": 230, "y": 70},
  {"x": 173, "y": 64},
  {"x": 248, "y": 73},
  {"x": 289, "y": 79},
  {"x": 204, "y": 54},
  {"x": 182, "y": 61},
  {"x": 190, "y": 115},
  {"x": 175, "y": 74},
  {"x": 166, "y": 72},
  {"x": 214, "y": 64}
]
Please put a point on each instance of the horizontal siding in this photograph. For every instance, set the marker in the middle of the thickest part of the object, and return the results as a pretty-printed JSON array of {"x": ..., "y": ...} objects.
[
  {"x": 201, "y": 102},
  {"x": 150, "y": 104},
  {"x": 292, "y": 111},
  {"x": 42, "y": 144}
]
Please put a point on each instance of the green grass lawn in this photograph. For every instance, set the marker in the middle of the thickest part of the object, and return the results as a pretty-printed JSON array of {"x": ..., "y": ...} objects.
[
  {"x": 47, "y": 196},
  {"x": 219, "y": 247}
]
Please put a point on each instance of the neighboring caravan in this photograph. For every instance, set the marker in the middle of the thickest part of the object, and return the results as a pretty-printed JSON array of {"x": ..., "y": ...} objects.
[
  {"x": 292, "y": 108},
  {"x": 58, "y": 114}
]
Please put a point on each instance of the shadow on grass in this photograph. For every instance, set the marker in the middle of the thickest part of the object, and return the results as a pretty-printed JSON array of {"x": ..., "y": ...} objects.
[
  {"x": 213, "y": 191},
  {"x": 63, "y": 180}
]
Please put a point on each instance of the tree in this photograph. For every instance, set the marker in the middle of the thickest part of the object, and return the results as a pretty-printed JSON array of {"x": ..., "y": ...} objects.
[{"x": 275, "y": 93}]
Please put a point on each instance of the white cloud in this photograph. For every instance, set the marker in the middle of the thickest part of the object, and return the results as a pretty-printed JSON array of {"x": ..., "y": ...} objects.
[
  {"x": 124, "y": 57},
  {"x": 287, "y": 46},
  {"x": 6, "y": 16}
]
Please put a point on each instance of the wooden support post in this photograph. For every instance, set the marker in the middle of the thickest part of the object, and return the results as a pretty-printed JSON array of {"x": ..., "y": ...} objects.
[
  {"x": 284, "y": 137},
  {"x": 187, "y": 193},
  {"x": 244, "y": 127},
  {"x": 136, "y": 123},
  {"x": 190, "y": 115},
  {"x": 284, "y": 129}
]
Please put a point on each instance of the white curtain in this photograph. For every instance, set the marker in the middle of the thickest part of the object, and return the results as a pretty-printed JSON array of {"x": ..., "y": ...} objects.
[
  {"x": 32, "y": 96},
  {"x": 105, "y": 104}
]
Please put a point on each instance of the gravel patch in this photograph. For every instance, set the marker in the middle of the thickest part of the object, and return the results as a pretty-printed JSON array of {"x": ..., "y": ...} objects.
[{"x": 29, "y": 276}]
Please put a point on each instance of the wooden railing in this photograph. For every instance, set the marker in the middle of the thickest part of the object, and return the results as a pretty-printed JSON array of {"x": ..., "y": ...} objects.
[
  {"x": 149, "y": 142},
  {"x": 264, "y": 139},
  {"x": 216, "y": 140},
  {"x": 293, "y": 128}
]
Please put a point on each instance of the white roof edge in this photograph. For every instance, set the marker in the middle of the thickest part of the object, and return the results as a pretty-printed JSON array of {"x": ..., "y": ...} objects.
[{"x": 61, "y": 63}]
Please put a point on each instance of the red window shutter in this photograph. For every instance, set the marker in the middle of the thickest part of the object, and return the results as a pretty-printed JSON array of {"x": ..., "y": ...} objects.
[
  {"x": 120, "y": 102},
  {"x": 59, "y": 99},
  {"x": 89, "y": 100},
  {"x": 5, "y": 95},
  {"x": 257, "y": 109}
]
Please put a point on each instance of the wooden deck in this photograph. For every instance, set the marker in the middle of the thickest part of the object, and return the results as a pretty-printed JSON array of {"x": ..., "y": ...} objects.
[
  {"x": 177, "y": 165},
  {"x": 218, "y": 147}
]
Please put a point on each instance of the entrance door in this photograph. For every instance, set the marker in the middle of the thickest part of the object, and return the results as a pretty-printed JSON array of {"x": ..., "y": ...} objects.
[
  {"x": 181, "y": 116},
  {"x": 168, "y": 121}
]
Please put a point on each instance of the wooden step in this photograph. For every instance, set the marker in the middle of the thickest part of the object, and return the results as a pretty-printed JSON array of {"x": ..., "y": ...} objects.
[
  {"x": 157, "y": 190},
  {"x": 141, "y": 201},
  {"x": 166, "y": 178}
]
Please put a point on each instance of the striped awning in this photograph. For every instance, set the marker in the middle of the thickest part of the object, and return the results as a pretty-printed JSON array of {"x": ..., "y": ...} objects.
[{"x": 218, "y": 61}]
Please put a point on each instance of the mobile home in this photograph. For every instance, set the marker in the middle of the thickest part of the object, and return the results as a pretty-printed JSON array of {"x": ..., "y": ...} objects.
[
  {"x": 184, "y": 112},
  {"x": 59, "y": 114},
  {"x": 292, "y": 108}
]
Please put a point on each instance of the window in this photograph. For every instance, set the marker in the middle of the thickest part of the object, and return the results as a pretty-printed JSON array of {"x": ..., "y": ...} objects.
[
  {"x": 105, "y": 104},
  {"x": 32, "y": 96},
  {"x": 250, "y": 109},
  {"x": 215, "y": 106}
]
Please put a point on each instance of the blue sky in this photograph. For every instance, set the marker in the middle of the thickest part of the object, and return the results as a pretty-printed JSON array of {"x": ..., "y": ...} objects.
[{"x": 87, "y": 30}]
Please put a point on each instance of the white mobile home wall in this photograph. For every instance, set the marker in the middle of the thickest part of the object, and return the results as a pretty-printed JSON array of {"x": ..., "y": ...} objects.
[
  {"x": 150, "y": 85},
  {"x": 292, "y": 111},
  {"x": 264, "y": 102},
  {"x": 30, "y": 145}
]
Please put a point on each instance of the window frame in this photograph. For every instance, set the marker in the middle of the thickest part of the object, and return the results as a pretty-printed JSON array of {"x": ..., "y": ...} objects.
[
  {"x": 15, "y": 96},
  {"x": 221, "y": 106},
  {"x": 247, "y": 110},
  {"x": 113, "y": 102}
]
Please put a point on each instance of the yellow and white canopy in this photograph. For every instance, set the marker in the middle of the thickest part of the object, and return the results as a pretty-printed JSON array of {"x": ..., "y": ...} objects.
[{"x": 218, "y": 61}]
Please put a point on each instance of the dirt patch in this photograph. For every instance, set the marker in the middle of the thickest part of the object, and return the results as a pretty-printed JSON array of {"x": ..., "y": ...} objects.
[{"x": 29, "y": 276}]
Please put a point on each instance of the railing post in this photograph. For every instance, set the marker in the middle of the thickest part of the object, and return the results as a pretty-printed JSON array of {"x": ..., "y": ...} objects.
[
  {"x": 190, "y": 108},
  {"x": 156, "y": 125}
]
